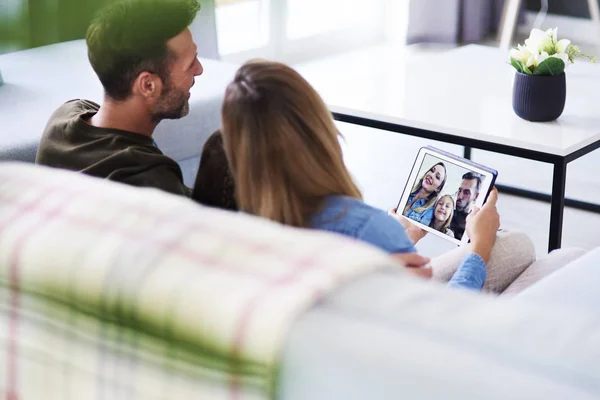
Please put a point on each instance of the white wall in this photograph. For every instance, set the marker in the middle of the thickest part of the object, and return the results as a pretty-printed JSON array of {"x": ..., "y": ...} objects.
[{"x": 396, "y": 20}]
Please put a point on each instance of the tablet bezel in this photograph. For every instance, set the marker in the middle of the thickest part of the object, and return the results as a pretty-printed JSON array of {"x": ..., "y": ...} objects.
[{"x": 486, "y": 185}]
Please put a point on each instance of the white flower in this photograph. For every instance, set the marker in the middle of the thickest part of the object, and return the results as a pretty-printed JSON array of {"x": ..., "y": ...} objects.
[
  {"x": 553, "y": 33},
  {"x": 536, "y": 59},
  {"x": 540, "y": 41},
  {"x": 562, "y": 46},
  {"x": 542, "y": 45},
  {"x": 521, "y": 53}
]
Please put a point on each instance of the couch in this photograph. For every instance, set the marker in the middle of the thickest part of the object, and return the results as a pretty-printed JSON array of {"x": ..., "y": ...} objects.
[
  {"x": 123, "y": 292},
  {"x": 381, "y": 334},
  {"x": 37, "y": 81}
]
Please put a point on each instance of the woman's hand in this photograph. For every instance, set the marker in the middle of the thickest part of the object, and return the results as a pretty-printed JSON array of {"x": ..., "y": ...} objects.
[
  {"x": 415, "y": 264},
  {"x": 414, "y": 232},
  {"x": 482, "y": 225}
]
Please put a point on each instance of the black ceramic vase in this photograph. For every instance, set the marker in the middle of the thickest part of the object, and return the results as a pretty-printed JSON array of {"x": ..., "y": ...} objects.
[{"x": 539, "y": 98}]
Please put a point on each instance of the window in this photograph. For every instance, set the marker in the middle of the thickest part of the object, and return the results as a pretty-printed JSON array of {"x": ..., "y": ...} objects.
[
  {"x": 242, "y": 25},
  {"x": 294, "y": 30},
  {"x": 306, "y": 18}
]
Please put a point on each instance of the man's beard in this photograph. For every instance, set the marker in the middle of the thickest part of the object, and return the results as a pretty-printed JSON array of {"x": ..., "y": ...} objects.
[
  {"x": 172, "y": 104},
  {"x": 461, "y": 208}
]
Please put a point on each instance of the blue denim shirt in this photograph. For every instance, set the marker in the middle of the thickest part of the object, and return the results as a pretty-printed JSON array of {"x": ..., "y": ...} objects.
[
  {"x": 424, "y": 216},
  {"x": 352, "y": 217}
]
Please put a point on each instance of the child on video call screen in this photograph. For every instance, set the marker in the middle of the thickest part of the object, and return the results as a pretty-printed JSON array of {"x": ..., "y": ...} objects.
[{"x": 442, "y": 196}]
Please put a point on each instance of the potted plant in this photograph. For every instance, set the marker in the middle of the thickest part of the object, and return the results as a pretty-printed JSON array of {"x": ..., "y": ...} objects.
[{"x": 539, "y": 90}]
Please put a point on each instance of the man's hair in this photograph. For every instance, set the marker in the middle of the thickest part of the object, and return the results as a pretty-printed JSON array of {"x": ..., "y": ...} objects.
[
  {"x": 471, "y": 175},
  {"x": 129, "y": 37}
]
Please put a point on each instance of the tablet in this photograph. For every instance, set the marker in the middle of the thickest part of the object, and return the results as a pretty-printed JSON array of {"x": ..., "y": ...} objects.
[{"x": 441, "y": 191}]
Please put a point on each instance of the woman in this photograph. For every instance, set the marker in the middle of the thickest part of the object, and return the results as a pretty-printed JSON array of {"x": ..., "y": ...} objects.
[
  {"x": 424, "y": 194},
  {"x": 442, "y": 215},
  {"x": 282, "y": 146}
]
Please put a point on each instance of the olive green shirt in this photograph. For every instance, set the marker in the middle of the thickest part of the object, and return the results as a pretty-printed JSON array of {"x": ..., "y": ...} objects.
[{"x": 70, "y": 142}]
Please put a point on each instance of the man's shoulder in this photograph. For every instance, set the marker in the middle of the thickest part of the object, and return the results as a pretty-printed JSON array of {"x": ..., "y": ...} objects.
[
  {"x": 459, "y": 217},
  {"x": 75, "y": 107},
  {"x": 69, "y": 111}
]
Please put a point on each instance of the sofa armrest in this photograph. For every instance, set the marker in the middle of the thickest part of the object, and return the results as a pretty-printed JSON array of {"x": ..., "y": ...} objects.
[
  {"x": 388, "y": 335},
  {"x": 543, "y": 267},
  {"x": 575, "y": 286}
]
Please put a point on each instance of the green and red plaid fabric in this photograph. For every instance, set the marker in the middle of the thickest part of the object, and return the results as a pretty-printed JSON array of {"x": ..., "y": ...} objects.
[{"x": 110, "y": 291}]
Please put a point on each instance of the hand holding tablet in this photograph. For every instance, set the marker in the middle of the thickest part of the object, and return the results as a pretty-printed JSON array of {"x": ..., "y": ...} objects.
[
  {"x": 414, "y": 232},
  {"x": 482, "y": 225},
  {"x": 442, "y": 190}
]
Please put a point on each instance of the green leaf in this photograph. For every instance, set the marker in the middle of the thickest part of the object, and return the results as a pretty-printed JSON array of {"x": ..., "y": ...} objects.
[
  {"x": 520, "y": 66},
  {"x": 550, "y": 67},
  {"x": 517, "y": 64}
]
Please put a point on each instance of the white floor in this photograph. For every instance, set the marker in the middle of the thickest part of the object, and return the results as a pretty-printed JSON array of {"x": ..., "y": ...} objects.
[{"x": 381, "y": 162}]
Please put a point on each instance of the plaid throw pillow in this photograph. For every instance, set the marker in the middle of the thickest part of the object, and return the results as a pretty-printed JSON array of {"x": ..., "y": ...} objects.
[{"x": 110, "y": 290}]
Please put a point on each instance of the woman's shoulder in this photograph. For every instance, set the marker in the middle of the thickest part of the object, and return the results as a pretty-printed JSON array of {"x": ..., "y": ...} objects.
[
  {"x": 350, "y": 205},
  {"x": 352, "y": 217},
  {"x": 344, "y": 212}
]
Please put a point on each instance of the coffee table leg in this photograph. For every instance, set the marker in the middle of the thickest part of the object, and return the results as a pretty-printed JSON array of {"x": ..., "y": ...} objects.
[
  {"x": 557, "y": 205},
  {"x": 467, "y": 152}
]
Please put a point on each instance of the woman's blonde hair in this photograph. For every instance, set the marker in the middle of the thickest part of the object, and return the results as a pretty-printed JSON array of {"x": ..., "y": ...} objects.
[
  {"x": 282, "y": 145},
  {"x": 449, "y": 219},
  {"x": 432, "y": 198}
]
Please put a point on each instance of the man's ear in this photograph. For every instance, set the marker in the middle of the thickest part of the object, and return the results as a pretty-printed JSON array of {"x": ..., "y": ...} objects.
[{"x": 147, "y": 85}]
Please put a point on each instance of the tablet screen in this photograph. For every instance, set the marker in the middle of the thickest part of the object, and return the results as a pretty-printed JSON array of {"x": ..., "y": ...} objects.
[{"x": 441, "y": 191}]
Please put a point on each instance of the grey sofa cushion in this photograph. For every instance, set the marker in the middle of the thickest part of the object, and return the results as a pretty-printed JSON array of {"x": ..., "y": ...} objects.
[
  {"x": 386, "y": 336},
  {"x": 189, "y": 169},
  {"x": 543, "y": 267},
  {"x": 575, "y": 286}
]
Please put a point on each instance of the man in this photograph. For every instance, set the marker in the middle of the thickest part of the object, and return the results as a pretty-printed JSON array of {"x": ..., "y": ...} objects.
[
  {"x": 468, "y": 191},
  {"x": 146, "y": 60}
]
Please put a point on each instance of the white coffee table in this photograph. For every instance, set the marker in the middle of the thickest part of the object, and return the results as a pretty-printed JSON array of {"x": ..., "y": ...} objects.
[{"x": 464, "y": 96}]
